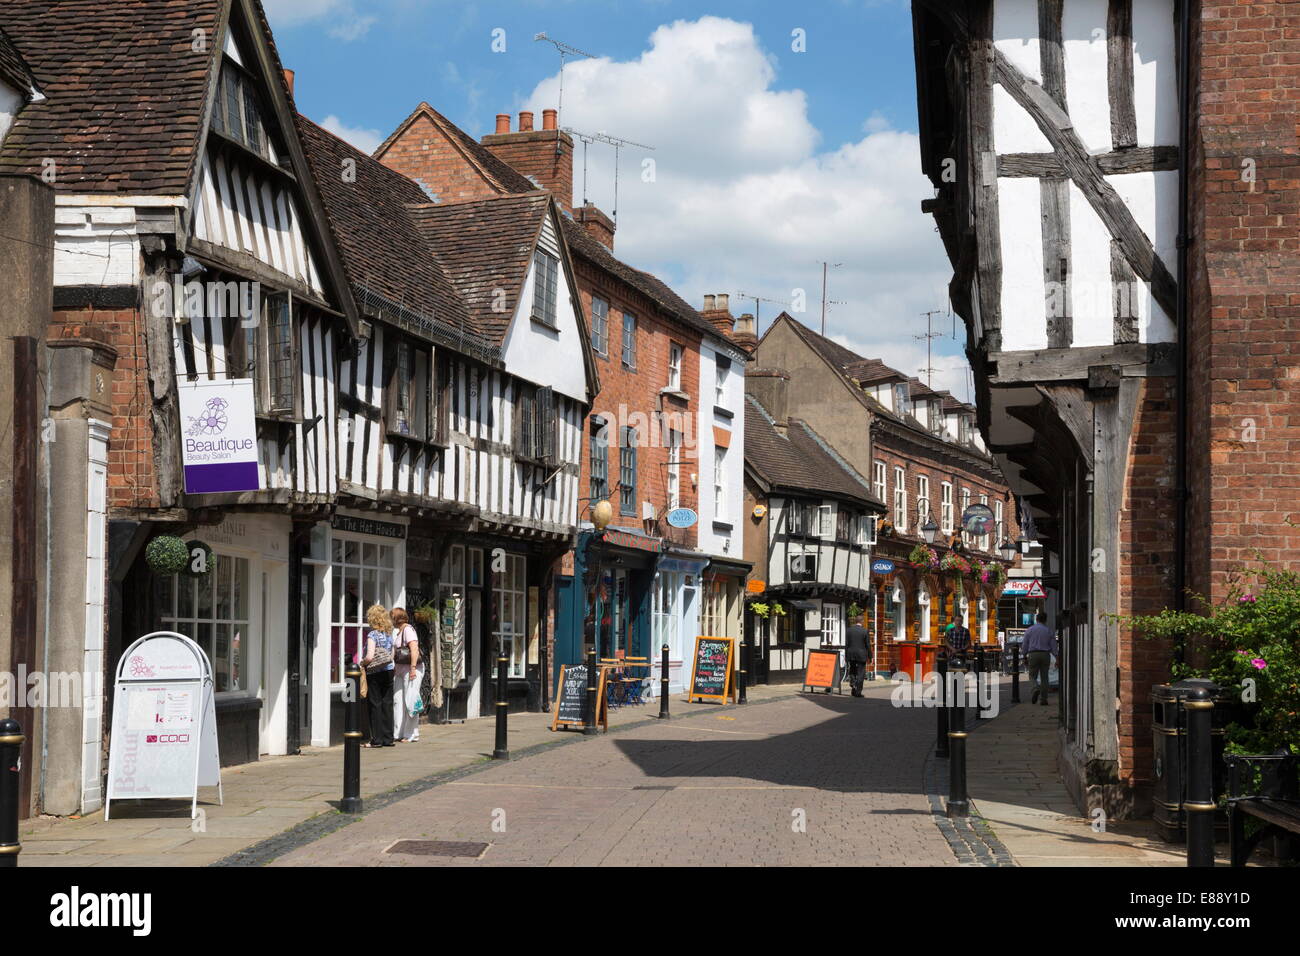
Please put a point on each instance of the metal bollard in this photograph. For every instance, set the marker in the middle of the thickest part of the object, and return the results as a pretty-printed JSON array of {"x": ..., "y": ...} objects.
[
  {"x": 351, "y": 802},
  {"x": 11, "y": 751},
  {"x": 941, "y": 741},
  {"x": 502, "y": 751},
  {"x": 958, "y": 801},
  {"x": 593, "y": 705},
  {"x": 663, "y": 684},
  {"x": 1015, "y": 673},
  {"x": 744, "y": 672},
  {"x": 1200, "y": 785}
]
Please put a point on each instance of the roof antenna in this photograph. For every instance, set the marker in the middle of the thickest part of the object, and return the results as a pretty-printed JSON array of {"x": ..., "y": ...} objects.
[
  {"x": 565, "y": 51},
  {"x": 617, "y": 143}
]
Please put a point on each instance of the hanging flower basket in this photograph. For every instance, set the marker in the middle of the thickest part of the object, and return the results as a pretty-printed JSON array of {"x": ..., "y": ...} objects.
[
  {"x": 923, "y": 556},
  {"x": 167, "y": 554},
  {"x": 955, "y": 563}
]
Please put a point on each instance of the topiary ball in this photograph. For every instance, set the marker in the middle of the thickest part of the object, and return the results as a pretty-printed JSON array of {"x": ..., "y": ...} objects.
[{"x": 166, "y": 554}]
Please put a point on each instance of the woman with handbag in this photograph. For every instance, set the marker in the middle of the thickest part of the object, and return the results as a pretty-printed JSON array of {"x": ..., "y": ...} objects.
[
  {"x": 407, "y": 700},
  {"x": 378, "y": 665}
]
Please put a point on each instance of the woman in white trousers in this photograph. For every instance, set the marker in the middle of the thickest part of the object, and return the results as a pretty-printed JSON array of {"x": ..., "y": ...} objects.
[{"x": 406, "y": 680}]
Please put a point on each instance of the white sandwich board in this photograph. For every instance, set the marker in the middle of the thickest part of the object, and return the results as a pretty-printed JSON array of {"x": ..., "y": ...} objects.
[{"x": 164, "y": 723}]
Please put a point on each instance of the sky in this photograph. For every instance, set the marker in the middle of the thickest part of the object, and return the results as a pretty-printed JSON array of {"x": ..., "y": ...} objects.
[{"x": 784, "y": 136}]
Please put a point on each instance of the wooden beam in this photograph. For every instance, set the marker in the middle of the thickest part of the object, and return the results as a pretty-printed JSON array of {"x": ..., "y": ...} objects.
[
  {"x": 1056, "y": 125},
  {"x": 1119, "y": 74},
  {"x": 1054, "y": 204},
  {"x": 1124, "y": 291},
  {"x": 982, "y": 165},
  {"x": 1053, "y": 365},
  {"x": 1051, "y": 52},
  {"x": 1138, "y": 159}
]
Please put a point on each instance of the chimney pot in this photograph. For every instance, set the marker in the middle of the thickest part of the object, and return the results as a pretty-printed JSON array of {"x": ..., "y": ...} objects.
[
  {"x": 288, "y": 80},
  {"x": 525, "y": 122},
  {"x": 708, "y": 303},
  {"x": 548, "y": 119},
  {"x": 503, "y": 123},
  {"x": 724, "y": 302}
]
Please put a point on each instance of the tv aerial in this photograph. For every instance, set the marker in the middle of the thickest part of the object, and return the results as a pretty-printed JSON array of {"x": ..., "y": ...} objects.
[
  {"x": 565, "y": 51},
  {"x": 602, "y": 137}
]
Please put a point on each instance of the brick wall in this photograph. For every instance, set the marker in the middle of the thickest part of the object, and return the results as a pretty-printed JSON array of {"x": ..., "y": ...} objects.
[
  {"x": 425, "y": 154},
  {"x": 535, "y": 154},
  {"x": 638, "y": 390},
  {"x": 131, "y": 469},
  {"x": 1244, "y": 317}
]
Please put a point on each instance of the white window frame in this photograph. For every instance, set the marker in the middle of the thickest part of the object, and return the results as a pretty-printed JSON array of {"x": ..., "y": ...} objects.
[
  {"x": 241, "y": 628},
  {"x": 794, "y": 516},
  {"x": 997, "y": 524},
  {"x": 878, "y": 480},
  {"x": 965, "y": 503},
  {"x": 984, "y": 539},
  {"x": 675, "y": 353},
  {"x": 510, "y": 591},
  {"x": 826, "y": 522},
  {"x": 832, "y": 624},
  {"x": 339, "y": 543},
  {"x": 719, "y": 485},
  {"x": 900, "y": 498},
  {"x": 945, "y": 518},
  {"x": 674, "y": 469},
  {"x": 866, "y": 530},
  {"x": 922, "y": 498}
]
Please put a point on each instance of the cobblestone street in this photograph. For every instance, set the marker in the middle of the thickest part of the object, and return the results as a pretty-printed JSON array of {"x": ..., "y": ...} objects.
[{"x": 805, "y": 780}]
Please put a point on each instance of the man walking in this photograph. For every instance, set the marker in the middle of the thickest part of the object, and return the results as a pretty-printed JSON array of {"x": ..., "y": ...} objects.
[
  {"x": 957, "y": 639},
  {"x": 857, "y": 651},
  {"x": 1038, "y": 644}
]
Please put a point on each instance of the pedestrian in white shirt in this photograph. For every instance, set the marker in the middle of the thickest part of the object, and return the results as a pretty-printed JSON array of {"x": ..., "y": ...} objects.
[{"x": 408, "y": 679}]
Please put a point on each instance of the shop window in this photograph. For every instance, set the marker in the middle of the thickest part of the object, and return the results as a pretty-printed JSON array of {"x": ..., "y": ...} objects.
[
  {"x": 362, "y": 573},
  {"x": 510, "y": 628},
  {"x": 213, "y": 611}
]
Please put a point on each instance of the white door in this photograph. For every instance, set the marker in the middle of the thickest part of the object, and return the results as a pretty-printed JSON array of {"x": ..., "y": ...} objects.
[{"x": 473, "y": 654}]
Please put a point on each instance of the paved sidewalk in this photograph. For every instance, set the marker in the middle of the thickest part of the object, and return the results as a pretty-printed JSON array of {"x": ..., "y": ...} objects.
[
  {"x": 1014, "y": 785},
  {"x": 266, "y": 798}
]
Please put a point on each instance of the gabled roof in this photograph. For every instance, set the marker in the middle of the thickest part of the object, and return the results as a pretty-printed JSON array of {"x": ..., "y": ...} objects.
[
  {"x": 124, "y": 92},
  {"x": 13, "y": 68},
  {"x": 499, "y": 174},
  {"x": 385, "y": 255},
  {"x": 800, "y": 460},
  {"x": 872, "y": 371},
  {"x": 485, "y": 245}
]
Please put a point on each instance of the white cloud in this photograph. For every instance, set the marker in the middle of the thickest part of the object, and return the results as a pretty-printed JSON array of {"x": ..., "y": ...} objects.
[
  {"x": 366, "y": 140},
  {"x": 346, "y": 23},
  {"x": 744, "y": 197},
  {"x": 354, "y": 28}
]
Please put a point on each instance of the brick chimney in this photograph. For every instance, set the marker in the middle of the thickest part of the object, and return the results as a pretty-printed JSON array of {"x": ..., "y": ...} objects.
[
  {"x": 743, "y": 334},
  {"x": 288, "y": 81},
  {"x": 717, "y": 311},
  {"x": 769, "y": 388},
  {"x": 599, "y": 226},
  {"x": 545, "y": 155}
]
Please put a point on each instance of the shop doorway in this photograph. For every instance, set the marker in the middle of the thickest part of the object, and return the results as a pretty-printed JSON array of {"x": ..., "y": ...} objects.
[{"x": 474, "y": 654}]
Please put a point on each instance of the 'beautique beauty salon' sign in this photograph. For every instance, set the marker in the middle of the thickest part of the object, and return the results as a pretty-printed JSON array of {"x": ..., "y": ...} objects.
[{"x": 218, "y": 436}]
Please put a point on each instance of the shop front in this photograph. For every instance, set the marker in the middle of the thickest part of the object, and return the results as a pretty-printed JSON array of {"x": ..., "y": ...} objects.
[{"x": 676, "y": 616}]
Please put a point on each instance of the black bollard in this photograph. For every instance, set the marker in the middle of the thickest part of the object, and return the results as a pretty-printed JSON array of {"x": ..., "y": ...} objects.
[
  {"x": 744, "y": 672},
  {"x": 351, "y": 802},
  {"x": 663, "y": 684},
  {"x": 1200, "y": 785},
  {"x": 11, "y": 750},
  {"x": 941, "y": 741},
  {"x": 1015, "y": 673},
  {"x": 593, "y": 705},
  {"x": 958, "y": 804},
  {"x": 502, "y": 751}
]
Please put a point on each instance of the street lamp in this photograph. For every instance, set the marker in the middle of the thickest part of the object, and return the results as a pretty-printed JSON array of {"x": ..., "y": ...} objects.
[
  {"x": 929, "y": 530},
  {"x": 1008, "y": 549}
]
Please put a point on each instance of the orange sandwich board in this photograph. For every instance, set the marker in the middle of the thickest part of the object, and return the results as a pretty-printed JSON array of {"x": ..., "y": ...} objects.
[
  {"x": 571, "y": 698},
  {"x": 823, "y": 671},
  {"x": 711, "y": 668}
]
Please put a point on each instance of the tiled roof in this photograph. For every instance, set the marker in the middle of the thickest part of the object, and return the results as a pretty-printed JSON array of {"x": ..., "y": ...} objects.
[
  {"x": 870, "y": 371},
  {"x": 382, "y": 247},
  {"x": 798, "y": 459},
  {"x": 125, "y": 91},
  {"x": 13, "y": 68},
  {"x": 485, "y": 245}
]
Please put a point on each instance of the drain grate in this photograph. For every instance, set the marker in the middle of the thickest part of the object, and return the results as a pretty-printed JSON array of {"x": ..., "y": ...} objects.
[{"x": 438, "y": 848}]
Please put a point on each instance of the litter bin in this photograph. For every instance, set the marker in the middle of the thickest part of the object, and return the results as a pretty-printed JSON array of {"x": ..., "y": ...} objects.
[{"x": 1169, "y": 745}]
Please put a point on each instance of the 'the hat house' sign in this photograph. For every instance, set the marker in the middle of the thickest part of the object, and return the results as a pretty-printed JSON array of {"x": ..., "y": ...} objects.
[{"x": 218, "y": 436}]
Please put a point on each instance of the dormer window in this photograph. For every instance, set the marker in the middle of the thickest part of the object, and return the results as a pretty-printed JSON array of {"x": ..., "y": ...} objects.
[
  {"x": 237, "y": 114},
  {"x": 935, "y": 418},
  {"x": 963, "y": 429},
  {"x": 900, "y": 398}
]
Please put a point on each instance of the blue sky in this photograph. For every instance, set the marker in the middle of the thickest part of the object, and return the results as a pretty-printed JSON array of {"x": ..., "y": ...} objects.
[{"x": 767, "y": 161}]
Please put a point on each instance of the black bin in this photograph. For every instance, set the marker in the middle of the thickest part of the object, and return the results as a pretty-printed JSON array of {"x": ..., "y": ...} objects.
[{"x": 1169, "y": 745}]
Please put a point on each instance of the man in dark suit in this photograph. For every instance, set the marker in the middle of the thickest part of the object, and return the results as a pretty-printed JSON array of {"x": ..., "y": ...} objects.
[{"x": 857, "y": 651}]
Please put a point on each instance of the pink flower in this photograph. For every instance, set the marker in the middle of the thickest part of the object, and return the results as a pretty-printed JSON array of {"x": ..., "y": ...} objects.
[
  {"x": 1246, "y": 599},
  {"x": 1259, "y": 663},
  {"x": 1243, "y": 653}
]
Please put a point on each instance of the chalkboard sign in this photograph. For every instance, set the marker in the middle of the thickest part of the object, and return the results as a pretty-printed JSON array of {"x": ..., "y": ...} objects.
[
  {"x": 571, "y": 698},
  {"x": 711, "y": 670}
]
